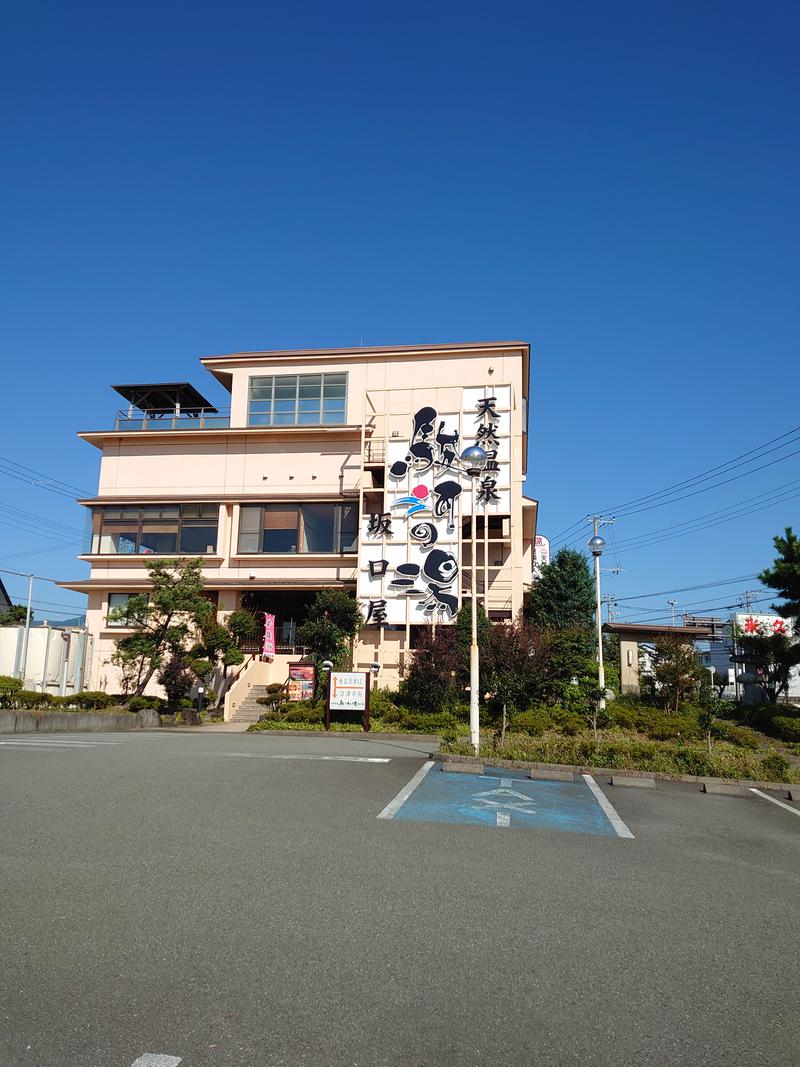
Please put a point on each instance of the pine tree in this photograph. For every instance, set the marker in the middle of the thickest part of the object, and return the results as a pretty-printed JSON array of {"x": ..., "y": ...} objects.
[
  {"x": 784, "y": 576},
  {"x": 562, "y": 597}
]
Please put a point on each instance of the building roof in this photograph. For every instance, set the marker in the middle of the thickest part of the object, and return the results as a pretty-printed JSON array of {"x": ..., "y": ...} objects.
[
  {"x": 363, "y": 350},
  {"x": 165, "y": 395},
  {"x": 5, "y": 599},
  {"x": 631, "y": 629}
]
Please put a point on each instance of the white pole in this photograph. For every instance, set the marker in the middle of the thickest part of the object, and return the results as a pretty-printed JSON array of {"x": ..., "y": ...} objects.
[
  {"x": 27, "y": 632},
  {"x": 474, "y": 655},
  {"x": 601, "y": 673}
]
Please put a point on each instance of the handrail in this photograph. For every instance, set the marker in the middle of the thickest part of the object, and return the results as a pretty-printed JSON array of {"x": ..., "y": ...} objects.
[{"x": 170, "y": 419}]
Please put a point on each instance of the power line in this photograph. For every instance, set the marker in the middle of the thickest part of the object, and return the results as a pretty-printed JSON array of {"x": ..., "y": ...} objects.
[
  {"x": 708, "y": 488},
  {"x": 29, "y": 516},
  {"x": 25, "y": 574},
  {"x": 688, "y": 588},
  {"x": 696, "y": 478},
  {"x": 711, "y": 525},
  {"x": 777, "y": 491},
  {"x": 44, "y": 481}
]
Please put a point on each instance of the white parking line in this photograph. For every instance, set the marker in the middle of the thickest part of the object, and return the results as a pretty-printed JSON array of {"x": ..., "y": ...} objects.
[
  {"x": 395, "y": 805},
  {"x": 50, "y": 746},
  {"x": 56, "y": 741},
  {"x": 609, "y": 811},
  {"x": 156, "y": 1059},
  {"x": 334, "y": 759},
  {"x": 772, "y": 800}
]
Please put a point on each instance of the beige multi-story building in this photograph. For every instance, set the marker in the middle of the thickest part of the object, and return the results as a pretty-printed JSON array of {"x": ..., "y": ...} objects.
[{"x": 333, "y": 467}]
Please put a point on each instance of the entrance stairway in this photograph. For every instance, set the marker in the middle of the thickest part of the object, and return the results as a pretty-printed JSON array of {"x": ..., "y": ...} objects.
[{"x": 250, "y": 710}]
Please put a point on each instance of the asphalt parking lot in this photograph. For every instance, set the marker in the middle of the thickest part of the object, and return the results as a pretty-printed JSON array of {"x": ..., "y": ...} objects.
[{"x": 234, "y": 899}]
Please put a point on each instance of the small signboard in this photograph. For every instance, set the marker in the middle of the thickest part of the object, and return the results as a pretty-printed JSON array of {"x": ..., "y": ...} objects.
[
  {"x": 269, "y": 635},
  {"x": 348, "y": 691},
  {"x": 301, "y": 681}
]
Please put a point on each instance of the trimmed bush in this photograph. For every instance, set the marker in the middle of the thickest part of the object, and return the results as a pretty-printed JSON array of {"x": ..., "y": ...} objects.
[
  {"x": 27, "y": 698},
  {"x": 144, "y": 704},
  {"x": 786, "y": 727},
  {"x": 93, "y": 700},
  {"x": 8, "y": 687}
]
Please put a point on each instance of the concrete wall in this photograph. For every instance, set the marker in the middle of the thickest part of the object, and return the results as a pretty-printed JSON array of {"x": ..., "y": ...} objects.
[{"x": 52, "y": 722}]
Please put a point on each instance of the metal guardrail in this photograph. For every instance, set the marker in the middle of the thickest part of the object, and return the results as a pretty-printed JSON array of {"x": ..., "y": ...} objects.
[
  {"x": 375, "y": 450},
  {"x": 168, "y": 419}
]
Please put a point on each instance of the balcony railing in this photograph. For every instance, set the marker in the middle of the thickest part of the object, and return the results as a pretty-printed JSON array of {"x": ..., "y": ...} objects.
[{"x": 169, "y": 419}]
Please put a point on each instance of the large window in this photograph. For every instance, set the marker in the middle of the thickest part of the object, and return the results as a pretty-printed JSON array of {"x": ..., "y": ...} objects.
[
  {"x": 166, "y": 530},
  {"x": 298, "y": 400},
  {"x": 287, "y": 528},
  {"x": 119, "y": 600}
]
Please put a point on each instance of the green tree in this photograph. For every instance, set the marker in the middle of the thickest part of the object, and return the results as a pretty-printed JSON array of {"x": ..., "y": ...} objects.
[
  {"x": 676, "y": 669},
  {"x": 518, "y": 662},
  {"x": 162, "y": 623},
  {"x": 784, "y": 575},
  {"x": 15, "y": 615},
  {"x": 330, "y": 628},
  {"x": 430, "y": 683},
  {"x": 772, "y": 657},
  {"x": 562, "y": 597}
]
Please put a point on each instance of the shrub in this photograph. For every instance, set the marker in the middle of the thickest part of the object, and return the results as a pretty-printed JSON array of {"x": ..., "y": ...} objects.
[
  {"x": 93, "y": 700},
  {"x": 144, "y": 704},
  {"x": 303, "y": 711},
  {"x": 786, "y": 727},
  {"x": 382, "y": 703},
  {"x": 27, "y": 698},
  {"x": 775, "y": 768},
  {"x": 9, "y": 684},
  {"x": 742, "y": 736},
  {"x": 534, "y": 722}
]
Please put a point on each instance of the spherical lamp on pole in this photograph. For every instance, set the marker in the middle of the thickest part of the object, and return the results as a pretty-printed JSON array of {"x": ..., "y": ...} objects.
[
  {"x": 596, "y": 545},
  {"x": 474, "y": 460}
]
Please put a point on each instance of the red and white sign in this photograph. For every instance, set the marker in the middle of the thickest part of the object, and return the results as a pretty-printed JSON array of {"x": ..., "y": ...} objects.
[
  {"x": 763, "y": 625},
  {"x": 269, "y": 635}
]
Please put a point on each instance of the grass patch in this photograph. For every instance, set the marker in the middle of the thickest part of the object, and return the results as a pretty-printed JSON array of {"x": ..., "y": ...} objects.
[{"x": 626, "y": 750}]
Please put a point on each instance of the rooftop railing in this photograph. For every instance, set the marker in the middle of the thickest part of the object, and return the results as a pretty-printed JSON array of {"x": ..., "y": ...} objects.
[{"x": 170, "y": 419}]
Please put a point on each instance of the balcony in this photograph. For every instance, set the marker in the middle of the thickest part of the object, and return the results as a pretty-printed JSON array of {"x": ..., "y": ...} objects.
[
  {"x": 159, "y": 406},
  {"x": 160, "y": 419}
]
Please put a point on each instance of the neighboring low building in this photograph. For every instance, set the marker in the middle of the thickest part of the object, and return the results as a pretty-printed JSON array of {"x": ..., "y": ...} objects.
[
  {"x": 333, "y": 467},
  {"x": 5, "y": 599},
  {"x": 53, "y": 661}
]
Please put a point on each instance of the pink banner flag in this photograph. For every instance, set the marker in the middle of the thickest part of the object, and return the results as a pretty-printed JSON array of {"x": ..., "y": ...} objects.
[{"x": 269, "y": 634}]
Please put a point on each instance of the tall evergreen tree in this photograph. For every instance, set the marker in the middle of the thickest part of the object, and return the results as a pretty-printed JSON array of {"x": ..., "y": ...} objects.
[
  {"x": 784, "y": 575},
  {"x": 562, "y": 597}
]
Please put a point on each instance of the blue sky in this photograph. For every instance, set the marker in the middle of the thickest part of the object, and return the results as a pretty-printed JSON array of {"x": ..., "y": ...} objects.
[{"x": 616, "y": 184}]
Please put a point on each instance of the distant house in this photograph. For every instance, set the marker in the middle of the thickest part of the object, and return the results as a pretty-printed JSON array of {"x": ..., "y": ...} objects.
[{"x": 5, "y": 599}]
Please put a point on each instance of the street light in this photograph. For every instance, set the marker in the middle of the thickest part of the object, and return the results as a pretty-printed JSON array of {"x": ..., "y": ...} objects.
[
  {"x": 474, "y": 459},
  {"x": 596, "y": 545}
]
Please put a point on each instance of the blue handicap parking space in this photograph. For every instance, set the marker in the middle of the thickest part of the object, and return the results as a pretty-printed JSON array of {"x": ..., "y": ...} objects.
[{"x": 500, "y": 799}]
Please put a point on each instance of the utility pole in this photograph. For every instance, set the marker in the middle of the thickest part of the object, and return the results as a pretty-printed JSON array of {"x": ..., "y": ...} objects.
[
  {"x": 597, "y": 544},
  {"x": 611, "y": 606},
  {"x": 672, "y": 604},
  {"x": 27, "y": 631}
]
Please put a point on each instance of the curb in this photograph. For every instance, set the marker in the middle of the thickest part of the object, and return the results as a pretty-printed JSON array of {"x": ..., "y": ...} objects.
[
  {"x": 490, "y": 761},
  {"x": 359, "y": 735}
]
